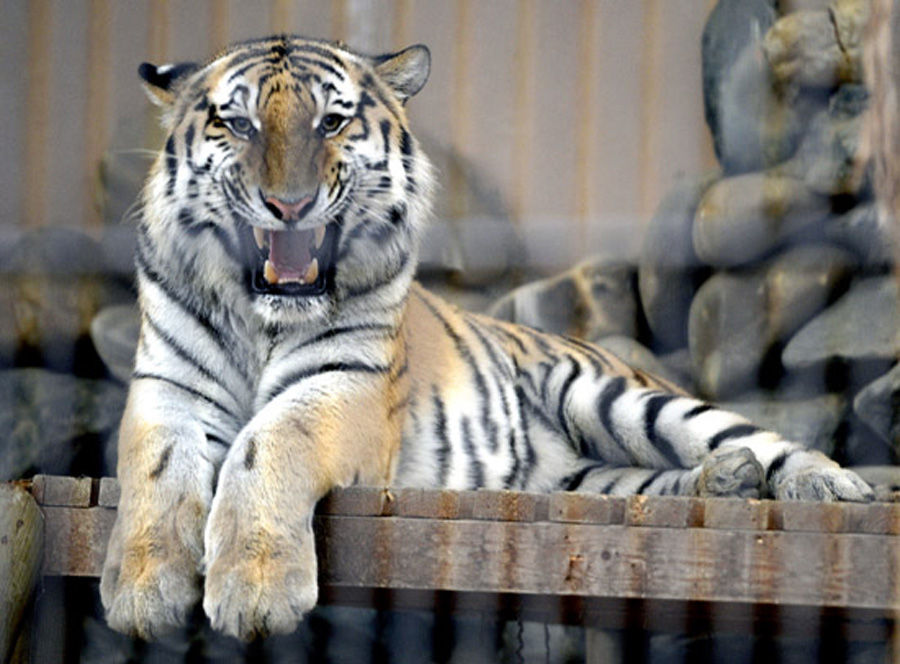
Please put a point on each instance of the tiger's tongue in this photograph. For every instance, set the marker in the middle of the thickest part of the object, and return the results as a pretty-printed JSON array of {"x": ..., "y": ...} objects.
[{"x": 289, "y": 253}]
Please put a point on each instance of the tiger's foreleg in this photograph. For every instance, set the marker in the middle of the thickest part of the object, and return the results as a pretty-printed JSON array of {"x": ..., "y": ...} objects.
[
  {"x": 151, "y": 576},
  {"x": 627, "y": 424},
  {"x": 325, "y": 432},
  {"x": 738, "y": 474}
]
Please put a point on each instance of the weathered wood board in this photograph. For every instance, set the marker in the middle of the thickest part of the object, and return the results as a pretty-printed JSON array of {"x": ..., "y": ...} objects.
[
  {"x": 735, "y": 552},
  {"x": 21, "y": 533}
]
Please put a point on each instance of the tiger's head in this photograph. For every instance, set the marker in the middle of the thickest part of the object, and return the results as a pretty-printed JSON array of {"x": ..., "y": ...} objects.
[{"x": 289, "y": 173}]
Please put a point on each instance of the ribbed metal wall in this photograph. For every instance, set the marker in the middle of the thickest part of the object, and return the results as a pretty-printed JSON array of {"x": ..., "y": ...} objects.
[{"x": 581, "y": 113}]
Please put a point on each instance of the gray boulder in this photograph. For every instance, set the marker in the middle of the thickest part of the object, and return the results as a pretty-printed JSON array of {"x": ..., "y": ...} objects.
[
  {"x": 49, "y": 418},
  {"x": 878, "y": 405},
  {"x": 818, "y": 47},
  {"x": 812, "y": 422},
  {"x": 592, "y": 300},
  {"x": 736, "y": 84},
  {"x": 742, "y": 218},
  {"x": 826, "y": 160},
  {"x": 669, "y": 271},
  {"x": 737, "y": 318},
  {"x": 864, "y": 324},
  {"x": 860, "y": 230},
  {"x": 115, "y": 332}
]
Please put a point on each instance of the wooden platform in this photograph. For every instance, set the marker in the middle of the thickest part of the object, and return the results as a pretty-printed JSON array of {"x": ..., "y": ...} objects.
[{"x": 566, "y": 556}]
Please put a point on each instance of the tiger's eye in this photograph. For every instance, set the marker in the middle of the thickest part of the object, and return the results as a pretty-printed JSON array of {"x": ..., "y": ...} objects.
[
  {"x": 331, "y": 122},
  {"x": 240, "y": 125}
]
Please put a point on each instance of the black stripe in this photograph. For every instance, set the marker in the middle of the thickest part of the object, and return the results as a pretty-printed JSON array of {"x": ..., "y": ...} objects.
[
  {"x": 348, "y": 329},
  {"x": 171, "y": 165},
  {"x": 215, "y": 335},
  {"x": 776, "y": 465},
  {"x": 298, "y": 59},
  {"x": 385, "y": 126},
  {"x": 476, "y": 467},
  {"x": 572, "y": 482},
  {"x": 736, "y": 431},
  {"x": 383, "y": 281},
  {"x": 614, "y": 389},
  {"x": 481, "y": 387},
  {"x": 592, "y": 351},
  {"x": 163, "y": 462},
  {"x": 574, "y": 373},
  {"x": 186, "y": 356},
  {"x": 647, "y": 482},
  {"x": 698, "y": 410},
  {"x": 250, "y": 457},
  {"x": 139, "y": 375},
  {"x": 609, "y": 486},
  {"x": 217, "y": 441},
  {"x": 405, "y": 146},
  {"x": 526, "y": 442},
  {"x": 659, "y": 442},
  {"x": 440, "y": 429},
  {"x": 328, "y": 367}
]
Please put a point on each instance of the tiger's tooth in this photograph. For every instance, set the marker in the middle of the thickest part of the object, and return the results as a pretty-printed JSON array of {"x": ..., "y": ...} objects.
[
  {"x": 260, "y": 236},
  {"x": 270, "y": 273},
  {"x": 320, "y": 235},
  {"x": 312, "y": 272}
]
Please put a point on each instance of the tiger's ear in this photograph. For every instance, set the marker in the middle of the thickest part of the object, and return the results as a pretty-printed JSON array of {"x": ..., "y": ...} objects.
[
  {"x": 405, "y": 72},
  {"x": 159, "y": 82}
]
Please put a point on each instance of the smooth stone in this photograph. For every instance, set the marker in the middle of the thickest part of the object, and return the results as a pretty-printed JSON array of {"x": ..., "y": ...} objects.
[
  {"x": 812, "y": 422},
  {"x": 636, "y": 355},
  {"x": 737, "y": 318},
  {"x": 115, "y": 331},
  {"x": 669, "y": 271},
  {"x": 744, "y": 217},
  {"x": 49, "y": 418},
  {"x": 818, "y": 48},
  {"x": 860, "y": 231},
  {"x": 55, "y": 251},
  {"x": 592, "y": 300},
  {"x": 864, "y": 324},
  {"x": 878, "y": 405},
  {"x": 826, "y": 160},
  {"x": 736, "y": 84},
  {"x": 49, "y": 317}
]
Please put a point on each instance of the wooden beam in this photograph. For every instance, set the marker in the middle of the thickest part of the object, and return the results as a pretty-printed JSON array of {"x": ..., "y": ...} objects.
[
  {"x": 21, "y": 532},
  {"x": 558, "y": 547}
]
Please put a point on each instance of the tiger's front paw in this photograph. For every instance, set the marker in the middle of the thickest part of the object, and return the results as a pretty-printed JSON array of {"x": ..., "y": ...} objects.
[
  {"x": 824, "y": 484},
  {"x": 150, "y": 580},
  {"x": 261, "y": 586}
]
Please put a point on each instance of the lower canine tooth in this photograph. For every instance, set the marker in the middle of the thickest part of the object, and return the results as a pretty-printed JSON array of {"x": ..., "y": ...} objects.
[
  {"x": 320, "y": 235},
  {"x": 312, "y": 272},
  {"x": 260, "y": 236},
  {"x": 269, "y": 273}
]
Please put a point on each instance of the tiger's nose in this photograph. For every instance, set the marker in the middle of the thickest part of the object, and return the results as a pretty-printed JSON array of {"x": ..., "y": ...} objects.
[{"x": 288, "y": 210}]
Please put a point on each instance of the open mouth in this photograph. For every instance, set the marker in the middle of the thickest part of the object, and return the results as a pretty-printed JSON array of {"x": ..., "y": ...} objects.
[{"x": 295, "y": 263}]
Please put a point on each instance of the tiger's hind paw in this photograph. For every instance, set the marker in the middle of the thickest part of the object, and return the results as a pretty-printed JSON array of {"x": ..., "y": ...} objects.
[
  {"x": 733, "y": 472},
  {"x": 824, "y": 485}
]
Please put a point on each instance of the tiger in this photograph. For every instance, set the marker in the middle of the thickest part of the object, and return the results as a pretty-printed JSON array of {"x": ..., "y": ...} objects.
[{"x": 286, "y": 350}]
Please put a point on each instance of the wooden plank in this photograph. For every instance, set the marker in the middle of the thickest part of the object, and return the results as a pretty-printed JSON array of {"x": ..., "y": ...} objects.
[
  {"x": 21, "y": 539},
  {"x": 561, "y": 545}
]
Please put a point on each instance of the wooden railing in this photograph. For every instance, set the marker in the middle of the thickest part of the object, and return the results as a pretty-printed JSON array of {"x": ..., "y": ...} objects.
[{"x": 598, "y": 560}]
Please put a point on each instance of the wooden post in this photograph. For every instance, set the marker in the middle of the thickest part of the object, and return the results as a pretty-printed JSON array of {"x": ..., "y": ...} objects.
[{"x": 21, "y": 542}]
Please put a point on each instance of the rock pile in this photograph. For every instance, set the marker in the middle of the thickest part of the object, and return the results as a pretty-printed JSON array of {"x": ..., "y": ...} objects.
[{"x": 767, "y": 286}]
